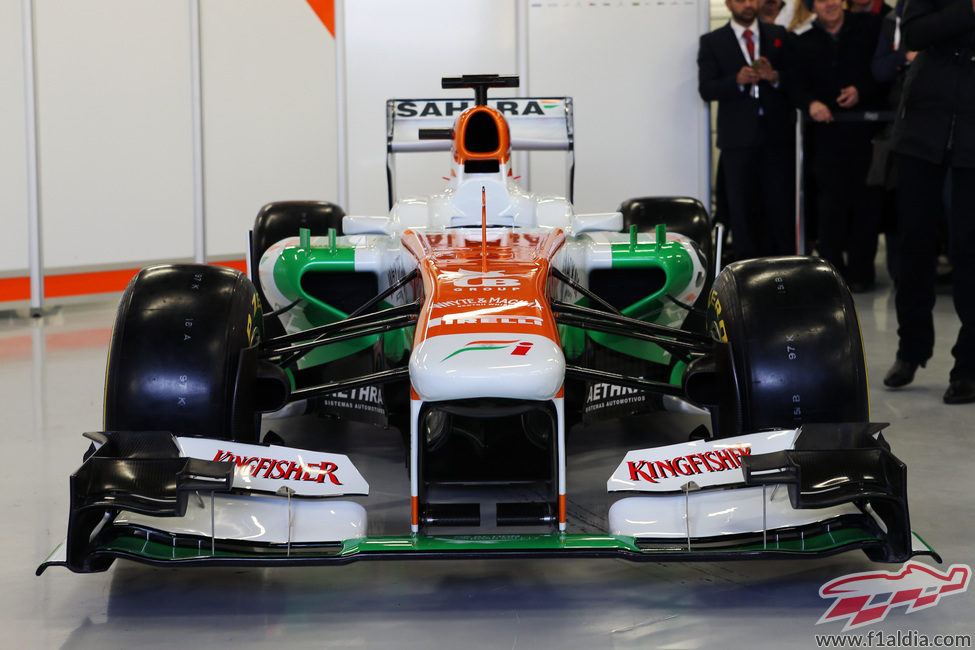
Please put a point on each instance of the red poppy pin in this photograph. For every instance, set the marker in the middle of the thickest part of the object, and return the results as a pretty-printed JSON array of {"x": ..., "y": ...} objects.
[{"x": 777, "y": 42}]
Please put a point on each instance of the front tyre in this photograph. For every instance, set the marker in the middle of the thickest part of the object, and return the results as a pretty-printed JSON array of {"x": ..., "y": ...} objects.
[
  {"x": 182, "y": 353},
  {"x": 793, "y": 352}
]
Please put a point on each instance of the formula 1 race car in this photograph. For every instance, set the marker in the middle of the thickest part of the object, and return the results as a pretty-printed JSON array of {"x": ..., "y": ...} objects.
[{"x": 505, "y": 347}]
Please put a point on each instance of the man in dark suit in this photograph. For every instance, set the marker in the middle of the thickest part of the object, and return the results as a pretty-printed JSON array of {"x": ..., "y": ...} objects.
[
  {"x": 834, "y": 86},
  {"x": 744, "y": 67}
]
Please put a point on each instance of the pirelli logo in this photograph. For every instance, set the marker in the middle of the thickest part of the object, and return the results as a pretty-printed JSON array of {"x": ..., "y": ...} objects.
[{"x": 465, "y": 319}]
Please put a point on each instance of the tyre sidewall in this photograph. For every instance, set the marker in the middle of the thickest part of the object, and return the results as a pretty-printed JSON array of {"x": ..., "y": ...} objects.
[
  {"x": 794, "y": 352},
  {"x": 176, "y": 353}
]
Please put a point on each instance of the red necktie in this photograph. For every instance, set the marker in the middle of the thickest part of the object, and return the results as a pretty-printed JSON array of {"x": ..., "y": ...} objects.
[{"x": 750, "y": 44}]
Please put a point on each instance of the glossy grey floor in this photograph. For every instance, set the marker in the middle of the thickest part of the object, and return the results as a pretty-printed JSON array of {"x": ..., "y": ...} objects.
[{"x": 51, "y": 373}]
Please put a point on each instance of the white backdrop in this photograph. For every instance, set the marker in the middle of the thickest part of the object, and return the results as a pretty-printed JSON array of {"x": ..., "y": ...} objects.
[
  {"x": 268, "y": 113},
  {"x": 402, "y": 50},
  {"x": 114, "y": 116},
  {"x": 115, "y": 110},
  {"x": 13, "y": 149},
  {"x": 629, "y": 67},
  {"x": 115, "y": 132}
]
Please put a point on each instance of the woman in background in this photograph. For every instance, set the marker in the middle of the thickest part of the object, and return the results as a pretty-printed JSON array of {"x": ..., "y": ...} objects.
[{"x": 796, "y": 16}]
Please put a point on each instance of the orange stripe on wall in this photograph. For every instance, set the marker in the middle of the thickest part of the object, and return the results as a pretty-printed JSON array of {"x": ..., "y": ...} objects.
[
  {"x": 15, "y": 289},
  {"x": 240, "y": 265},
  {"x": 325, "y": 10},
  {"x": 82, "y": 284}
]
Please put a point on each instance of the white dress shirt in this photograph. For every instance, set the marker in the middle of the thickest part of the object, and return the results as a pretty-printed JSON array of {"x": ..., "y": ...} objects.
[
  {"x": 740, "y": 35},
  {"x": 743, "y": 44}
]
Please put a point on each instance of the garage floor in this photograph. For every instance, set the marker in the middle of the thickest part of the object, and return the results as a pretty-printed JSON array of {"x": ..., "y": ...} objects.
[{"x": 51, "y": 373}]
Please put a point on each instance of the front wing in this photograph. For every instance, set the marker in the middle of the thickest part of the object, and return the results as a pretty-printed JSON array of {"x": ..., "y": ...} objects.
[{"x": 139, "y": 497}]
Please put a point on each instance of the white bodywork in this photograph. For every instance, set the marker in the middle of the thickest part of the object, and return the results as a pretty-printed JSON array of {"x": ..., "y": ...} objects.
[
  {"x": 698, "y": 491},
  {"x": 260, "y": 468},
  {"x": 438, "y": 363},
  {"x": 708, "y": 463},
  {"x": 254, "y": 518},
  {"x": 262, "y": 510},
  {"x": 710, "y": 514}
]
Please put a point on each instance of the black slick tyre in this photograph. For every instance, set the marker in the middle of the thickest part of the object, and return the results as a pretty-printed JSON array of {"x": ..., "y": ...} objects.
[
  {"x": 182, "y": 355},
  {"x": 794, "y": 352}
]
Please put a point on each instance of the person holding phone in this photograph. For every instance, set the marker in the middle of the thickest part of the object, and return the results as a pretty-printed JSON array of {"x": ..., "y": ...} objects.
[{"x": 744, "y": 67}]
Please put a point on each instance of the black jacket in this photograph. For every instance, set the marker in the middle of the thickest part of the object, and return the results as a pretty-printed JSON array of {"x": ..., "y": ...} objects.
[
  {"x": 937, "y": 110},
  {"x": 825, "y": 65},
  {"x": 719, "y": 59}
]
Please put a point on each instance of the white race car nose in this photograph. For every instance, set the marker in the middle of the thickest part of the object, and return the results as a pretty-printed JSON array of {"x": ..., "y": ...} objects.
[{"x": 461, "y": 366}]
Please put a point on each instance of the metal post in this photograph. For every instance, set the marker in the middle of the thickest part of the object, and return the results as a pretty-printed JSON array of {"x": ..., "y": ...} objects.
[
  {"x": 704, "y": 123},
  {"x": 800, "y": 199},
  {"x": 35, "y": 257},
  {"x": 196, "y": 74},
  {"x": 342, "y": 127},
  {"x": 523, "y": 158}
]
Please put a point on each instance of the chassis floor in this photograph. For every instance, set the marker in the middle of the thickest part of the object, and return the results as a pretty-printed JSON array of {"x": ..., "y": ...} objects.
[{"x": 51, "y": 372}]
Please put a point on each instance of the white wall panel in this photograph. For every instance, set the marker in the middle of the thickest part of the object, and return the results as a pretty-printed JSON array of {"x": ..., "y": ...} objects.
[
  {"x": 115, "y": 131},
  {"x": 631, "y": 70},
  {"x": 115, "y": 110},
  {"x": 402, "y": 49},
  {"x": 269, "y": 124},
  {"x": 13, "y": 153}
]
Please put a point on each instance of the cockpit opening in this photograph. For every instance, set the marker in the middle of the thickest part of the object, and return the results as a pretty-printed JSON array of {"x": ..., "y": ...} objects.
[{"x": 481, "y": 134}]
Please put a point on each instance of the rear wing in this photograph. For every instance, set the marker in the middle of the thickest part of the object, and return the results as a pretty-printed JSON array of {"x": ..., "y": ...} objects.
[{"x": 536, "y": 124}]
